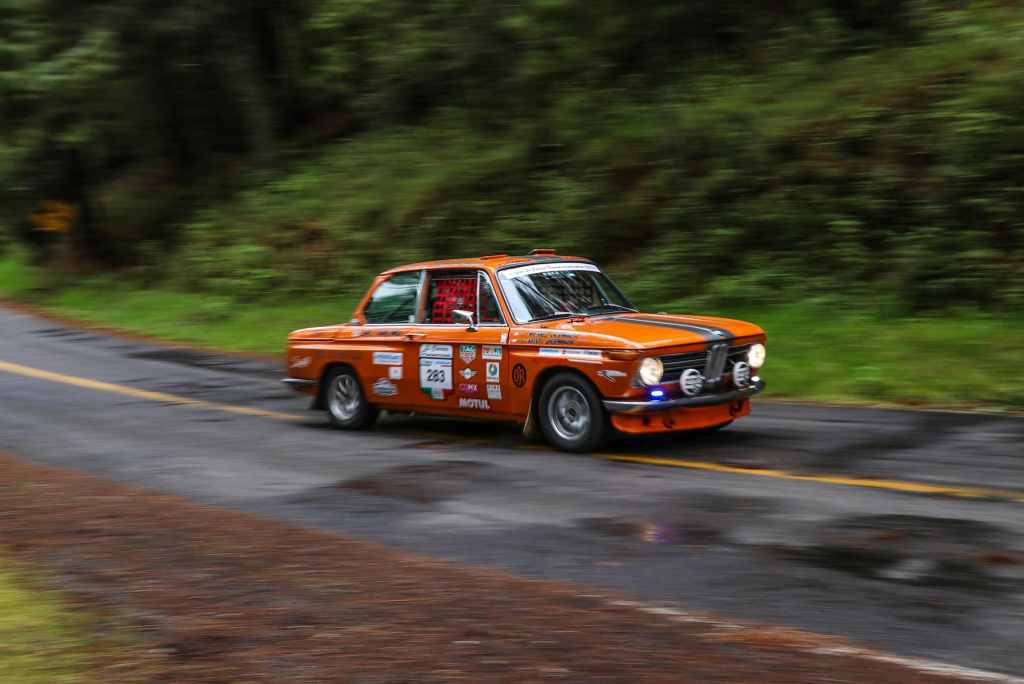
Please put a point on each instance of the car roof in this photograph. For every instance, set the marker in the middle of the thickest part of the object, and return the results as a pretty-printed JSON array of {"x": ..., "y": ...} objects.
[{"x": 492, "y": 262}]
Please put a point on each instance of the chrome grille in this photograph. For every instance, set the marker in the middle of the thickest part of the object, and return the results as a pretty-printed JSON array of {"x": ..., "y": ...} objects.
[
  {"x": 718, "y": 354},
  {"x": 675, "y": 364}
]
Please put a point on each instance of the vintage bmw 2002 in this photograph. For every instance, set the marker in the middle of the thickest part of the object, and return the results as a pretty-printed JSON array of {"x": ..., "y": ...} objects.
[{"x": 543, "y": 340}]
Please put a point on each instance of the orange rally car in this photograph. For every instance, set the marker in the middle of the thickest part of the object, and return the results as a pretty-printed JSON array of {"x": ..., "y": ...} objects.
[{"x": 543, "y": 340}]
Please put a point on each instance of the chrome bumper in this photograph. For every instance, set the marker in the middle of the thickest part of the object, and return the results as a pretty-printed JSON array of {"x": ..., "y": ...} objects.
[
  {"x": 299, "y": 383},
  {"x": 618, "y": 406}
]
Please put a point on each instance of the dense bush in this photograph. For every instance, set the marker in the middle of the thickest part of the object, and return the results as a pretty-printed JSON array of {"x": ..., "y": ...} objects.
[{"x": 701, "y": 149}]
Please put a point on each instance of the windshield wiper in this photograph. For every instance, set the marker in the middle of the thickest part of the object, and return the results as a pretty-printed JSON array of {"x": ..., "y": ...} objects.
[
  {"x": 552, "y": 316},
  {"x": 611, "y": 307}
]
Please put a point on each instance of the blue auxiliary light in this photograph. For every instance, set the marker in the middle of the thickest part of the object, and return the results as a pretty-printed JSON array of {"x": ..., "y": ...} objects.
[{"x": 657, "y": 394}]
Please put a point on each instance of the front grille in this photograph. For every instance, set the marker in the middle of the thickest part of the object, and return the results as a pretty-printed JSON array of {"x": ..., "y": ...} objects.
[{"x": 675, "y": 364}]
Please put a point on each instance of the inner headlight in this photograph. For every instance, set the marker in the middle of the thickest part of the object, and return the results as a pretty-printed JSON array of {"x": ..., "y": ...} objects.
[
  {"x": 755, "y": 357},
  {"x": 651, "y": 370}
]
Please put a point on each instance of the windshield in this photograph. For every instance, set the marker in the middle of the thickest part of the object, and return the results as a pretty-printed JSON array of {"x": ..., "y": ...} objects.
[{"x": 547, "y": 291}]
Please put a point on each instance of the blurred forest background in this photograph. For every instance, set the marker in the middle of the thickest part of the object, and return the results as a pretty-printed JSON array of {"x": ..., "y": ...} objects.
[{"x": 724, "y": 154}]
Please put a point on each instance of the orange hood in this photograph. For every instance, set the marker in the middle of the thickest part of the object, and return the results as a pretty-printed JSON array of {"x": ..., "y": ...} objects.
[{"x": 648, "y": 331}]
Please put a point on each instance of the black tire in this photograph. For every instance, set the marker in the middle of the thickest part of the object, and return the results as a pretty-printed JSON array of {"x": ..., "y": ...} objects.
[
  {"x": 571, "y": 414},
  {"x": 345, "y": 401}
]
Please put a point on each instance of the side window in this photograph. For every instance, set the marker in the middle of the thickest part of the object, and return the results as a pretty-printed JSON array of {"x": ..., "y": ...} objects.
[
  {"x": 394, "y": 300},
  {"x": 450, "y": 290},
  {"x": 489, "y": 310}
]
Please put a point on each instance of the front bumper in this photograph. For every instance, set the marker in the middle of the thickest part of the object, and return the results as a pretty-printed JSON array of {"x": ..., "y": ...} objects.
[{"x": 618, "y": 406}]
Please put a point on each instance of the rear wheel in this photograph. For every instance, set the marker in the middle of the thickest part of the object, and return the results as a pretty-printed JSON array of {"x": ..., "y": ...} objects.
[
  {"x": 571, "y": 414},
  {"x": 345, "y": 402}
]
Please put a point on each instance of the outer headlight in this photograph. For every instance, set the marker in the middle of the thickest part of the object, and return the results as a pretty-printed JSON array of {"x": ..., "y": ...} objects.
[
  {"x": 755, "y": 357},
  {"x": 651, "y": 371}
]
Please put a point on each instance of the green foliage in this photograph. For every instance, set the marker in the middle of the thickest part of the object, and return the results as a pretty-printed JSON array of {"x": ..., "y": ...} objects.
[{"x": 702, "y": 150}]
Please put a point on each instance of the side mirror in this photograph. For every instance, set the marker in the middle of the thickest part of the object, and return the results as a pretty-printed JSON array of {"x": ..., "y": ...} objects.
[{"x": 467, "y": 317}]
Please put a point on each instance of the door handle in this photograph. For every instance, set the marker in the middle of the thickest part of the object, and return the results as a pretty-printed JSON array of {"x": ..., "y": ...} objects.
[{"x": 414, "y": 335}]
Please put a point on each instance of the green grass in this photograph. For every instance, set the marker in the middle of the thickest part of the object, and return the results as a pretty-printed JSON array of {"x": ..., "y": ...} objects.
[
  {"x": 817, "y": 350},
  {"x": 208, "y": 320},
  {"x": 40, "y": 640},
  {"x": 16, "y": 277}
]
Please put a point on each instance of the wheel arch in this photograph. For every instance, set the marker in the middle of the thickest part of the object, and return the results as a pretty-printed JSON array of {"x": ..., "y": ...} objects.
[{"x": 545, "y": 376}]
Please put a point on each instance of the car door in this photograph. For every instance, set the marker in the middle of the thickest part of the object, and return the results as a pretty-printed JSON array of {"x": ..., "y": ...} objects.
[
  {"x": 460, "y": 367},
  {"x": 387, "y": 368}
]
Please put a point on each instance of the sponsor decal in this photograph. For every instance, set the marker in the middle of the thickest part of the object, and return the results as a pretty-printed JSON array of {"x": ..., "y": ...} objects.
[
  {"x": 494, "y": 392},
  {"x": 477, "y": 404},
  {"x": 504, "y": 338},
  {"x": 436, "y": 351},
  {"x": 492, "y": 352},
  {"x": 493, "y": 371},
  {"x": 301, "y": 363},
  {"x": 436, "y": 376},
  {"x": 519, "y": 375},
  {"x": 611, "y": 375},
  {"x": 381, "y": 358},
  {"x": 468, "y": 388},
  {"x": 467, "y": 352},
  {"x": 384, "y": 388},
  {"x": 562, "y": 338},
  {"x": 467, "y": 373},
  {"x": 521, "y": 271},
  {"x": 395, "y": 372},
  {"x": 571, "y": 353}
]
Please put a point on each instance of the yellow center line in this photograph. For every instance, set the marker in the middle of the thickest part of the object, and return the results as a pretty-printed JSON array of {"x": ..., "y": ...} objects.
[
  {"x": 100, "y": 386},
  {"x": 871, "y": 483}
]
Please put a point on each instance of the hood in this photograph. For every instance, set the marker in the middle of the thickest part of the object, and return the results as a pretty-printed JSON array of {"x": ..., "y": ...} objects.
[{"x": 647, "y": 331}]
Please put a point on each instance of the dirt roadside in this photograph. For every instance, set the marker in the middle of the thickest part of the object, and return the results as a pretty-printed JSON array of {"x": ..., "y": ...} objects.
[{"x": 217, "y": 595}]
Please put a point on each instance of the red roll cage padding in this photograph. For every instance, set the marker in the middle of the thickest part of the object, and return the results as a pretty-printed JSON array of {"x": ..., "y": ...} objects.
[{"x": 450, "y": 294}]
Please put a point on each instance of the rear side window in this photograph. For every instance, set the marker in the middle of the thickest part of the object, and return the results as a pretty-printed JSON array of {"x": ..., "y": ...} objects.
[{"x": 394, "y": 300}]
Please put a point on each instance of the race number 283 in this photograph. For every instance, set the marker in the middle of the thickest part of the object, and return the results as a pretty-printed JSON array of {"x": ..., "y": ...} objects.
[{"x": 436, "y": 374}]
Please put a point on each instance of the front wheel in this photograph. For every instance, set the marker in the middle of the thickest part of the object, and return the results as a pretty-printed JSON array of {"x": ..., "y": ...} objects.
[
  {"x": 346, "y": 404},
  {"x": 572, "y": 416}
]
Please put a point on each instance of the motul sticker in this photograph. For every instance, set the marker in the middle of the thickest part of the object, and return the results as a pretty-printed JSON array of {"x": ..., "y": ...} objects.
[
  {"x": 467, "y": 352},
  {"x": 435, "y": 351},
  {"x": 476, "y": 404},
  {"x": 384, "y": 388},
  {"x": 493, "y": 371},
  {"x": 387, "y": 358},
  {"x": 494, "y": 392},
  {"x": 492, "y": 352}
]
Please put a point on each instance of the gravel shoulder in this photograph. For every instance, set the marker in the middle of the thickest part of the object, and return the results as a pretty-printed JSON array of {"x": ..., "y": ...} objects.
[{"x": 228, "y": 596}]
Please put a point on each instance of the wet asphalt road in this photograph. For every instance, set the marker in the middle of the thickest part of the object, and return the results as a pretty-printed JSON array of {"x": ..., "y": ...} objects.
[{"x": 940, "y": 577}]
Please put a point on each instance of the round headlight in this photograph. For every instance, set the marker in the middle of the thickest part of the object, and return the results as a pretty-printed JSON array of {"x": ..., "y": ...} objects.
[
  {"x": 755, "y": 357},
  {"x": 651, "y": 371}
]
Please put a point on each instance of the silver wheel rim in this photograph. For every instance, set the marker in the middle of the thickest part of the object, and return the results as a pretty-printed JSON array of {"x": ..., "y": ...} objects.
[
  {"x": 343, "y": 397},
  {"x": 569, "y": 413}
]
